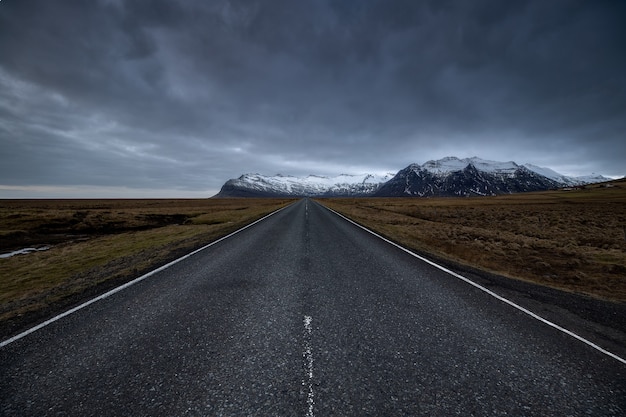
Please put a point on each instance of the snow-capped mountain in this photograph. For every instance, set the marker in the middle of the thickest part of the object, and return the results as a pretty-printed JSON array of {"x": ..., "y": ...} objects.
[
  {"x": 449, "y": 176},
  {"x": 464, "y": 177},
  {"x": 564, "y": 179},
  {"x": 452, "y": 176},
  {"x": 256, "y": 185}
]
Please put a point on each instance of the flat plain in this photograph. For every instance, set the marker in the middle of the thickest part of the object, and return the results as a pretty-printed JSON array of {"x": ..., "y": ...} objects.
[
  {"x": 306, "y": 314},
  {"x": 573, "y": 240},
  {"x": 95, "y": 245},
  {"x": 570, "y": 240}
]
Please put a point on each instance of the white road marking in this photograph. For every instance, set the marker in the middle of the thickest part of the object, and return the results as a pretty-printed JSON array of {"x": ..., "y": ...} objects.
[
  {"x": 308, "y": 358},
  {"x": 128, "y": 284},
  {"x": 488, "y": 291}
]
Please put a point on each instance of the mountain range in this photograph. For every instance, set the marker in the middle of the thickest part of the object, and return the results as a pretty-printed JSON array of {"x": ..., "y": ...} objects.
[{"x": 445, "y": 177}]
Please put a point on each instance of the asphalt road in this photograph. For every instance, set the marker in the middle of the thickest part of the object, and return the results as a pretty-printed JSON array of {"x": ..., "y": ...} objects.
[{"x": 304, "y": 314}]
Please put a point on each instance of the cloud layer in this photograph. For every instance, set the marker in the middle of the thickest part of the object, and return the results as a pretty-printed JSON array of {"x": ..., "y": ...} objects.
[{"x": 182, "y": 95}]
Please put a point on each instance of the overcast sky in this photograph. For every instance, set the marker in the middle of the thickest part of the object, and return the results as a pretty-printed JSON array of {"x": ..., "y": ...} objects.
[{"x": 115, "y": 98}]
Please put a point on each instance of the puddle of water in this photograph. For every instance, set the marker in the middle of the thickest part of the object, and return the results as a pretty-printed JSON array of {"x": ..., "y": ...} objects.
[{"x": 23, "y": 251}]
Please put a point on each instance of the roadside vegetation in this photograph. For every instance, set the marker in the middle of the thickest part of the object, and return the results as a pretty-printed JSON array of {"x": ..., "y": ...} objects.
[
  {"x": 573, "y": 240},
  {"x": 98, "y": 244}
]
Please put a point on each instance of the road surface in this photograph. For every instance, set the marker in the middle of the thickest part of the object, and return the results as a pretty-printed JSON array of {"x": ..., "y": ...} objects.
[{"x": 304, "y": 314}]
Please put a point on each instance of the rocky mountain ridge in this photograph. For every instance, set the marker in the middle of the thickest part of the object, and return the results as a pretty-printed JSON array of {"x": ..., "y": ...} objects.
[{"x": 448, "y": 176}]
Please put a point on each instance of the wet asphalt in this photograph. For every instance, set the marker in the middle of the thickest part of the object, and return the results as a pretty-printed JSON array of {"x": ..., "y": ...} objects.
[{"x": 304, "y": 314}]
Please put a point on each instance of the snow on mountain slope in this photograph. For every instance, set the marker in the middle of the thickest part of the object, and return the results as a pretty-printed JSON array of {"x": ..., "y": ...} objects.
[
  {"x": 452, "y": 176},
  {"x": 448, "y": 176},
  {"x": 553, "y": 175},
  {"x": 463, "y": 178},
  {"x": 311, "y": 185},
  {"x": 452, "y": 164},
  {"x": 567, "y": 180},
  {"x": 591, "y": 179}
]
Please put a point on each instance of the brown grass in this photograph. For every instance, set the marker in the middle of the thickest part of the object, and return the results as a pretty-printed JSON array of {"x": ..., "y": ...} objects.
[
  {"x": 571, "y": 240},
  {"x": 99, "y": 241}
]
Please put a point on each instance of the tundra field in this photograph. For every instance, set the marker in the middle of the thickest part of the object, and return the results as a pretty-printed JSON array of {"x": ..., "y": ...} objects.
[
  {"x": 96, "y": 245},
  {"x": 571, "y": 240}
]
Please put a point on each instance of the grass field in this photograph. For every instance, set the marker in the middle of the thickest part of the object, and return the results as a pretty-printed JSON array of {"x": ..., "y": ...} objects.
[
  {"x": 97, "y": 244},
  {"x": 573, "y": 240}
]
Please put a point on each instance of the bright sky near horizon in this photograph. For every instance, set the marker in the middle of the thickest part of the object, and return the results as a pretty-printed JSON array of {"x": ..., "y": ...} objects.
[{"x": 171, "y": 98}]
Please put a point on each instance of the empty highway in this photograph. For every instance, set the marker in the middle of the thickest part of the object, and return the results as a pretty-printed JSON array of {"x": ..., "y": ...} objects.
[{"x": 305, "y": 314}]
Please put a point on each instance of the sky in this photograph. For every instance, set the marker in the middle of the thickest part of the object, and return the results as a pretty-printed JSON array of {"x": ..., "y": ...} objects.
[{"x": 167, "y": 98}]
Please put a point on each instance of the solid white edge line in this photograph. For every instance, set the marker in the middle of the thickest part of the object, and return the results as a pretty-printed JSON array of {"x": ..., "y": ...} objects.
[
  {"x": 488, "y": 291},
  {"x": 133, "y": 282}
]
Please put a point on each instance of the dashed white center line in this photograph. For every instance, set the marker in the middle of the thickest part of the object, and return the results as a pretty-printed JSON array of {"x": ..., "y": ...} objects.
[{"x": 308, "y": 360}]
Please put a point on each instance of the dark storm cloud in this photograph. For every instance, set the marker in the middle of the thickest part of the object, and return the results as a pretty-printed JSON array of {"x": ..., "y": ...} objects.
[{"x": 186, "y": 94}]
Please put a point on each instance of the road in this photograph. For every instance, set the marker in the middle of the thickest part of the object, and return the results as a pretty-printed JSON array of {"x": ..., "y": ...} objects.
[{"x": 304, "y": 314}]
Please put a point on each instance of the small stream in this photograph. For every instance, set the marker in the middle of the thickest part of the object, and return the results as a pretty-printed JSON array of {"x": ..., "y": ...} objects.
[{"x": 23, "y": 251}]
